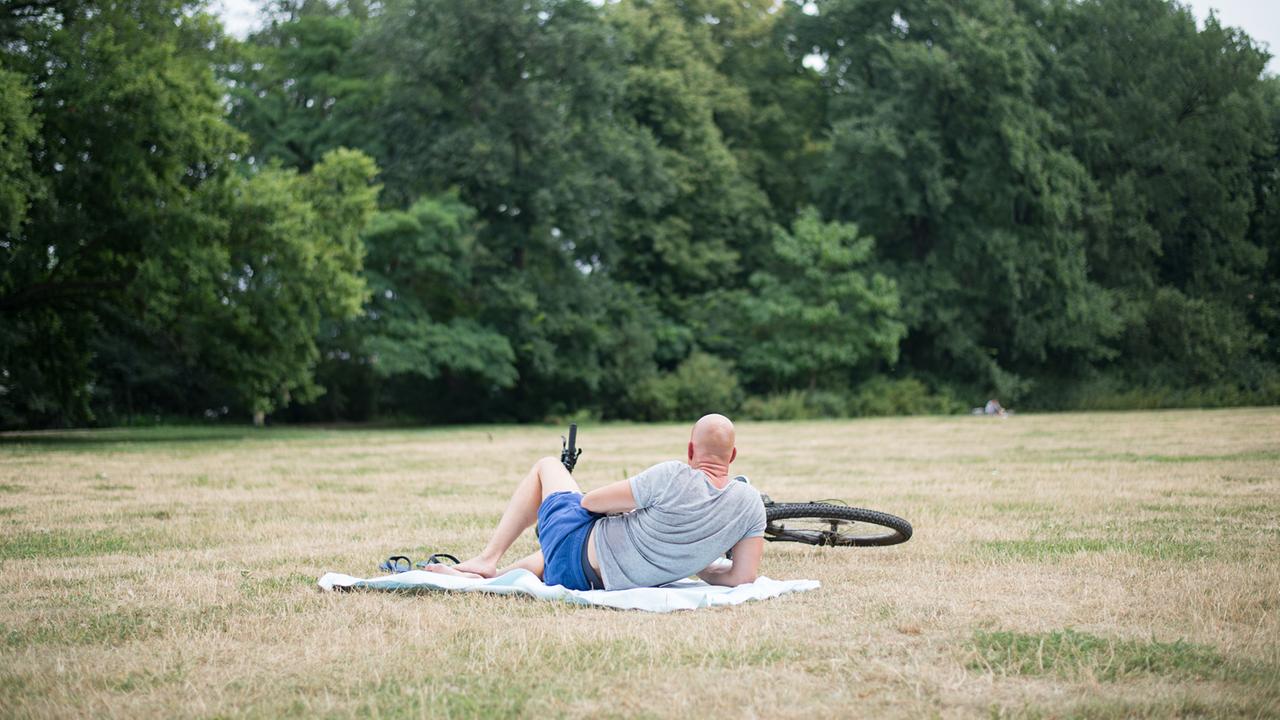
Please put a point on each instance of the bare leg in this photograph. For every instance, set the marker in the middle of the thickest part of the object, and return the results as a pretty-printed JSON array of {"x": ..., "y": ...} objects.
[
  {"x": 532, "y": 562},
  {"x": 545, "y": 477}
]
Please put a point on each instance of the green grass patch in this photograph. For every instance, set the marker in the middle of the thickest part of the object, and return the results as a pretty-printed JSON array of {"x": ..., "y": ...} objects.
[
  {"x": 763, "y": 654},
  {"x": 11, "y": 488},
  {"x": 1072, "y": 654},
  {"x": 174, "y": 440},
  {"x": 1263, "y": 455},
  {"x": 1070, "y": 454},
  {"x": 114, "y": 627},
  {"x": 1257, "y": 512},
  {"x": 1046, "y": 549},
  {"x": 106, "y": 628},
  {"x": 46, "y": 545}
]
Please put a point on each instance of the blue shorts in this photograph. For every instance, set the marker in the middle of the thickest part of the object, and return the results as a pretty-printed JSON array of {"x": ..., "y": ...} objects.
[{"x": 563, "y": 529}]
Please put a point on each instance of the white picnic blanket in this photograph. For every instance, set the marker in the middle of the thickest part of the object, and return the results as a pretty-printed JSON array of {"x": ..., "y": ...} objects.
[{"x": 680, "y": 595}]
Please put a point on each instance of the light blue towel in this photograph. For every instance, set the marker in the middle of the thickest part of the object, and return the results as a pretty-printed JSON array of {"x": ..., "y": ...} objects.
[{"x": 681, "y": 595}]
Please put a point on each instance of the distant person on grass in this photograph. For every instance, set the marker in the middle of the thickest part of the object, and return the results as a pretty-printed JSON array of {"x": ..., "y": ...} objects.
[{"x": 664, "y": 524}]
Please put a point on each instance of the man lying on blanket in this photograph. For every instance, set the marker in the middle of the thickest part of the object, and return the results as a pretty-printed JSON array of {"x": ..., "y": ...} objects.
[{"x": 675, "y": 520}]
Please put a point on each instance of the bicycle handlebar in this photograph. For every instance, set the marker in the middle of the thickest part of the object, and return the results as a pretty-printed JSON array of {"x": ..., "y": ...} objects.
[{"x": 570, "y": 453}]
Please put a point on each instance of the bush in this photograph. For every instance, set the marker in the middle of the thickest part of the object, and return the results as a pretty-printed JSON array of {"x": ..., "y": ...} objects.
[
  {"x": 907, "y": 396},
  {"x": 779, "y": 406},
  {"x": 797, "y": 405},
  {"x": 878, "y": 396},
  {"x": 1261, "y": 387},
  {"x": 702, "y": 384},
  {"x": 580, "y": 416}
]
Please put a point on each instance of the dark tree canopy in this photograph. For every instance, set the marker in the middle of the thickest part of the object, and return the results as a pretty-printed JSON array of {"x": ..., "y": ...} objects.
[{"x": 470, "y": 211}]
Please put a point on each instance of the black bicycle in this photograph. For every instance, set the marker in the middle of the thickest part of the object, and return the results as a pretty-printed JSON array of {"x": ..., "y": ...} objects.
[{"x": 829, "y": 522}]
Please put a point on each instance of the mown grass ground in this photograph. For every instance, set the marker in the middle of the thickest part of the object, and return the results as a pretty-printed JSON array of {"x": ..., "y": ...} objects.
[{"x": 1091, "y": 565}]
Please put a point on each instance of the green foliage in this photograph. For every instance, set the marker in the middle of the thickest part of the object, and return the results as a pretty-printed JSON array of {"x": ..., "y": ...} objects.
[
  {"x": 1190, "y": 340},
  {"x": 960, "y": 175},
  {"x": 1263, "y": 299},
  {"x": 1171, "y": 148},
  {"x": 18, "y": 130},
  {"x": 130, "y": 125},
  {"x": 287, "y": 274},
  {"x": 1259, "y": 384},
  {"x": 637, "y": 209},
  {"x": 693, "y": 214},
  {"x": 301, "y": 87},
  {"x": 509, "y": 102},
  {"x": 875, "y": 397},
  {"x": 701, "y": 384},
  {"x": 814, "y": 315},
  {"x": 768, "y": 106},
  {"x": 249, "y": 308},
  {"x": 420, "y": 319},
  {"x": 906, "y": 396},
  {"x": 797, "y": 405}
]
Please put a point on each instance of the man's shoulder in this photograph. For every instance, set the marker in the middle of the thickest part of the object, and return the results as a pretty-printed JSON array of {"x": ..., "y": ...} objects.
[
  {"x": 661, "y": 475},
  {"x": 746, "y": 491},
  {"x": 669, "y": 468}
]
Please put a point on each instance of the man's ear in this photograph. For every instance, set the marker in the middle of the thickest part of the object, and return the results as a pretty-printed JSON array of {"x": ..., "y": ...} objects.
[
  {"x": 690, "y": 449},
  {"x": 733, "y": 456}
]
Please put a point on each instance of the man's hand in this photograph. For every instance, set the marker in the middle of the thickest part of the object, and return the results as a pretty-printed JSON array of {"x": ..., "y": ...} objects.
[
  {"x": 746, "y": 564},
  {"x": 612, "y": 498}
]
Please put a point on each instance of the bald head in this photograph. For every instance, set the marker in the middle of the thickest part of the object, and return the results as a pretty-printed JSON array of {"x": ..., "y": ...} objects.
[{"x": 712, "y": 441}]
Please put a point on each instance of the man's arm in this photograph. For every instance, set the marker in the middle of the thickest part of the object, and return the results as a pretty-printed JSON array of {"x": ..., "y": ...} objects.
[
  {"x": 746, "y": 564},
  {"x": 624, "y": 496},
  {"x": 612, "y": 498}
]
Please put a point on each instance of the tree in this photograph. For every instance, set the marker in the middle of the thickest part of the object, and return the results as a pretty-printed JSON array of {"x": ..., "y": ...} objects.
[
  {"x": 251, "y": 308},
  {"x": 1264, "y": 232},
  {"x": 682, "y": 230},
  {"x": 420, "y": 320},
  {"x": 18, "y": 131},
  {"x": 516, "y": 106},
  {"x": 941, "y": 148},
  {"x": 301, "y": 87},
  {"x": 129, "y": 127},
  {"x": 769, "y": 106},
  {"x": 1170, "y": 122},
  {"x": 815, "y": 316}
]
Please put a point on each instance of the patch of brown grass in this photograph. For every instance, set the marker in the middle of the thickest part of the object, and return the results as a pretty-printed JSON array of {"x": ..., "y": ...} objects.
[{"x": 172, "y": 572}]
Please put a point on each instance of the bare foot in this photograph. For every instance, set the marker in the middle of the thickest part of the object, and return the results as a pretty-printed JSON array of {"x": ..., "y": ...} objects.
[
  {"x": 450, "y": 570},
  {"x": 477, "y": 566}
]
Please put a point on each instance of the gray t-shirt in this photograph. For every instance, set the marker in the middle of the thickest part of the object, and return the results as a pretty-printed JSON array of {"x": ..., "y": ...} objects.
[{"x": 681, "y": 523}]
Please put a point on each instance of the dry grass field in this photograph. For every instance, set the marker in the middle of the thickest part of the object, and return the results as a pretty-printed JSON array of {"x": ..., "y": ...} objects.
[{"x": 1087, "y": 565}]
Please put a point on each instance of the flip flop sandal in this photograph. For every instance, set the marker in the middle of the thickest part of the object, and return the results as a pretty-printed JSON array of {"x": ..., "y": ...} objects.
[
  {"x": 396, "y": 564},
  {"x": 438, "y": 558}
]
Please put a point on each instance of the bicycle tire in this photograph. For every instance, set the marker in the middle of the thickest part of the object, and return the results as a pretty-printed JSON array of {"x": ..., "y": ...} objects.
[{"x": 899, "y": 530}]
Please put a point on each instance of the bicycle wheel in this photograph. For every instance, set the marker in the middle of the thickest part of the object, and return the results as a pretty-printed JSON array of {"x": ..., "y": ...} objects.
[{"x": 833, "y": 525}]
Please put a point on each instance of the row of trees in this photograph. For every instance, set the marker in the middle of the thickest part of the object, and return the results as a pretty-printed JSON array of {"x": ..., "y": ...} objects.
[{"x": 513, "y": 210}]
